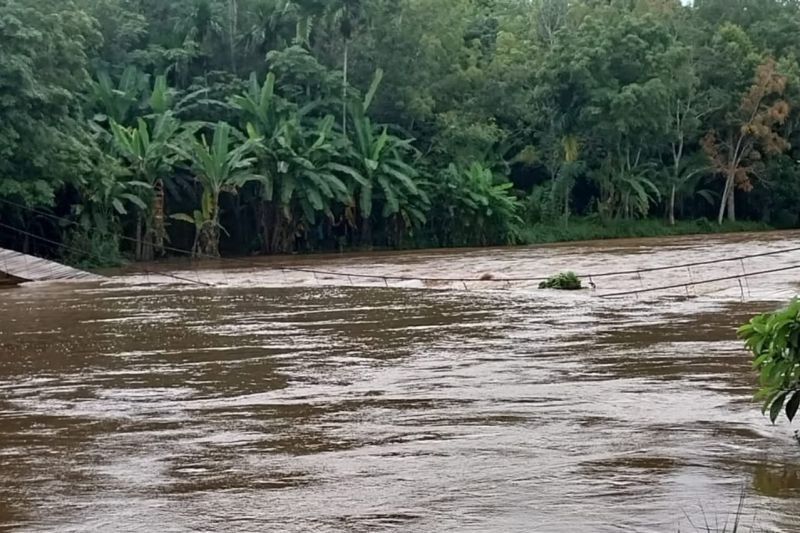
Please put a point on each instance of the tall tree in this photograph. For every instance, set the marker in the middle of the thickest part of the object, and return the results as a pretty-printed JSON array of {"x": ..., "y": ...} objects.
[
  {"x": 344, "y": 14},
  {"x": 753, "y": 128},
  {"x": 44, "y": 61}
]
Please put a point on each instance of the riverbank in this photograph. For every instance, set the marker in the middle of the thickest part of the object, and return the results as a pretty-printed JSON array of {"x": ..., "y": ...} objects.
[
  {"x": 577, "y": 230},
  {"x": 589, "y": 229}
]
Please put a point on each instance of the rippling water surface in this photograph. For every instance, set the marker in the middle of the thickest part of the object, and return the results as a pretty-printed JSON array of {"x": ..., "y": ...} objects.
[{"x": 278, "y": 400}]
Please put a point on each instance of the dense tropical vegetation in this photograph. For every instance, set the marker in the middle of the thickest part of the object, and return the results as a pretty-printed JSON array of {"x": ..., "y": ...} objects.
[{"x": 273, "y": 126}]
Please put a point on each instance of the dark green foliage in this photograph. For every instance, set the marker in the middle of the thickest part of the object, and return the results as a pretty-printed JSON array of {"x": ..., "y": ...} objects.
[
  {"x": 565, "y": 281},
  {"x": 378, "y": 123},
  {"x": 586, "y": 229},
  {"x": 775, "y": 198},
  {"x": 43, "y": 71},
  {"x": 474, "y": 207},
  {"x": 92, "y": 249},
  {"x": 774, "y": 339}
]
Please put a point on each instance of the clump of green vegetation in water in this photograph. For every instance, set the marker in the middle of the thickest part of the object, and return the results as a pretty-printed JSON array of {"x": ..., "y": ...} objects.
[
  {"x": 774, "y": 339},
  {"x": 566, "y": 281}
]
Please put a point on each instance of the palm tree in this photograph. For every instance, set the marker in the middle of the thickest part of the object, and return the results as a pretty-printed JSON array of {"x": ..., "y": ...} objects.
[
  {"x": 271, "y": 20},
  {"x": 219, "y": 168},
  {"x": 566, "y": 168},
  {"x": 626, "y": 191},
  {"x": 682, "y": 181},
  {"x": 344, "y": 13}
]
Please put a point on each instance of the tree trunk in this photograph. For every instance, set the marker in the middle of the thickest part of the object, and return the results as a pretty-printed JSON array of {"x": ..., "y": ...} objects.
[
  {"x": 138, "y": 250},
  {"x": 209, "y": 236},
  {"x": 732, "y": 204},
  {"x": 366, "y": 233},
  {"x": 281, "y": 234},
  {"x": 158, "y": 208},
  {"x": 344, "y": 86},
  {"x": 672, "y": 207},
  {"x": 263, "y": 221},
  {"x": 147, "y": 241},
  {"x": 196, "y": 243},
  {"x": 724, "y": 203},
  {"x": 272, "y": 231},
  {"x": 233, "y": 16}
]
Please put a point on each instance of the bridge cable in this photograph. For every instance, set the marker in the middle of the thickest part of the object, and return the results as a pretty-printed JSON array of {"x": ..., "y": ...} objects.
[
  {"x": 75, "y": 249},
  {"x": 702, "y": 282}
]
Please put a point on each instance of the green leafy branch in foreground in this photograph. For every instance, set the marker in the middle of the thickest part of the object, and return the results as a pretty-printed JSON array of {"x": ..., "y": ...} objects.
[{"x": 774, "y": 339}]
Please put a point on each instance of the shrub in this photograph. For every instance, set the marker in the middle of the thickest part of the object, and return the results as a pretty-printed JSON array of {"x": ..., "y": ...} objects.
[
  {"x": 474, "y": 207},
  {"x": 774, "y": 339},
  {"x": 88, "y": 250}
]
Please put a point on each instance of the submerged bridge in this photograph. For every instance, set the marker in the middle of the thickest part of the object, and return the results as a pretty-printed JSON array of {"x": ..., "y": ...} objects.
[{"x": 18, "y": 268}]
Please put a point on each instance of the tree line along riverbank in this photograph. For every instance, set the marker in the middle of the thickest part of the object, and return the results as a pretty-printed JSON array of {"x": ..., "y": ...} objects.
[{"x": 134, "y": 129}]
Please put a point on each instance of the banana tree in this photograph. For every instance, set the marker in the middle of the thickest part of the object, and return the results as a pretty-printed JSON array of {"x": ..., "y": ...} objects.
[
  {"x": 474, "y": 207},
  {"x": 625, "y": 191},
  {"x": 150, "y": 155},
  {"x": 495, "y": 215},
  {"x": 297, "y": 155},
  {"x": 309, "y": 182},
  {"x": 259, "y": 105},
  {"x": 220, "y": 168},
  {"x": 119, "y": 102},
  {"x": 104, "y": 199},
  {"x": 263, "y": 114},
  {"x": 198, "y": 220},
  {"x": 380, "y": 157}
]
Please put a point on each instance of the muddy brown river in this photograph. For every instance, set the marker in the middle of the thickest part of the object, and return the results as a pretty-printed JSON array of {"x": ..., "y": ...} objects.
[{"x": 257, "y": 398}]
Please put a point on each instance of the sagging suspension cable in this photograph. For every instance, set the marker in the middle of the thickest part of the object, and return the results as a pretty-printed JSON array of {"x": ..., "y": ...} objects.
[
  {"x": 253, "y": 264},
  {"x": 743, "y": 275}
]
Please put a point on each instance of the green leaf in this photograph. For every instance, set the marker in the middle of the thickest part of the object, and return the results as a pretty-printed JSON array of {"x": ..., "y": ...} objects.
[
  {"x": 118, "y": 206},
  {"x": 135, "y": 200},
  {"x": 776, "y": 406},
  {"x": 350, "y": 171},
  {"x": 315, "y": 199},
  {"x": 183, "y": 218},
  {"x": 373, "y": 88},
  {"x": 792, "y": 405},
  {"x": 366, "y": 201}
]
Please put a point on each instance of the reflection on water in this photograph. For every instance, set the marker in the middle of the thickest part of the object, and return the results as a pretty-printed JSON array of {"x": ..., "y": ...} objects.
[
  {"x": 778, "y": 481},
  {"x": 279, "y": 402}
]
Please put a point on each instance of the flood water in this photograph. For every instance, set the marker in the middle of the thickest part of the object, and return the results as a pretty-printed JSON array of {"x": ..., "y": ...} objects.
[{"x": 278, "y": 400}]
